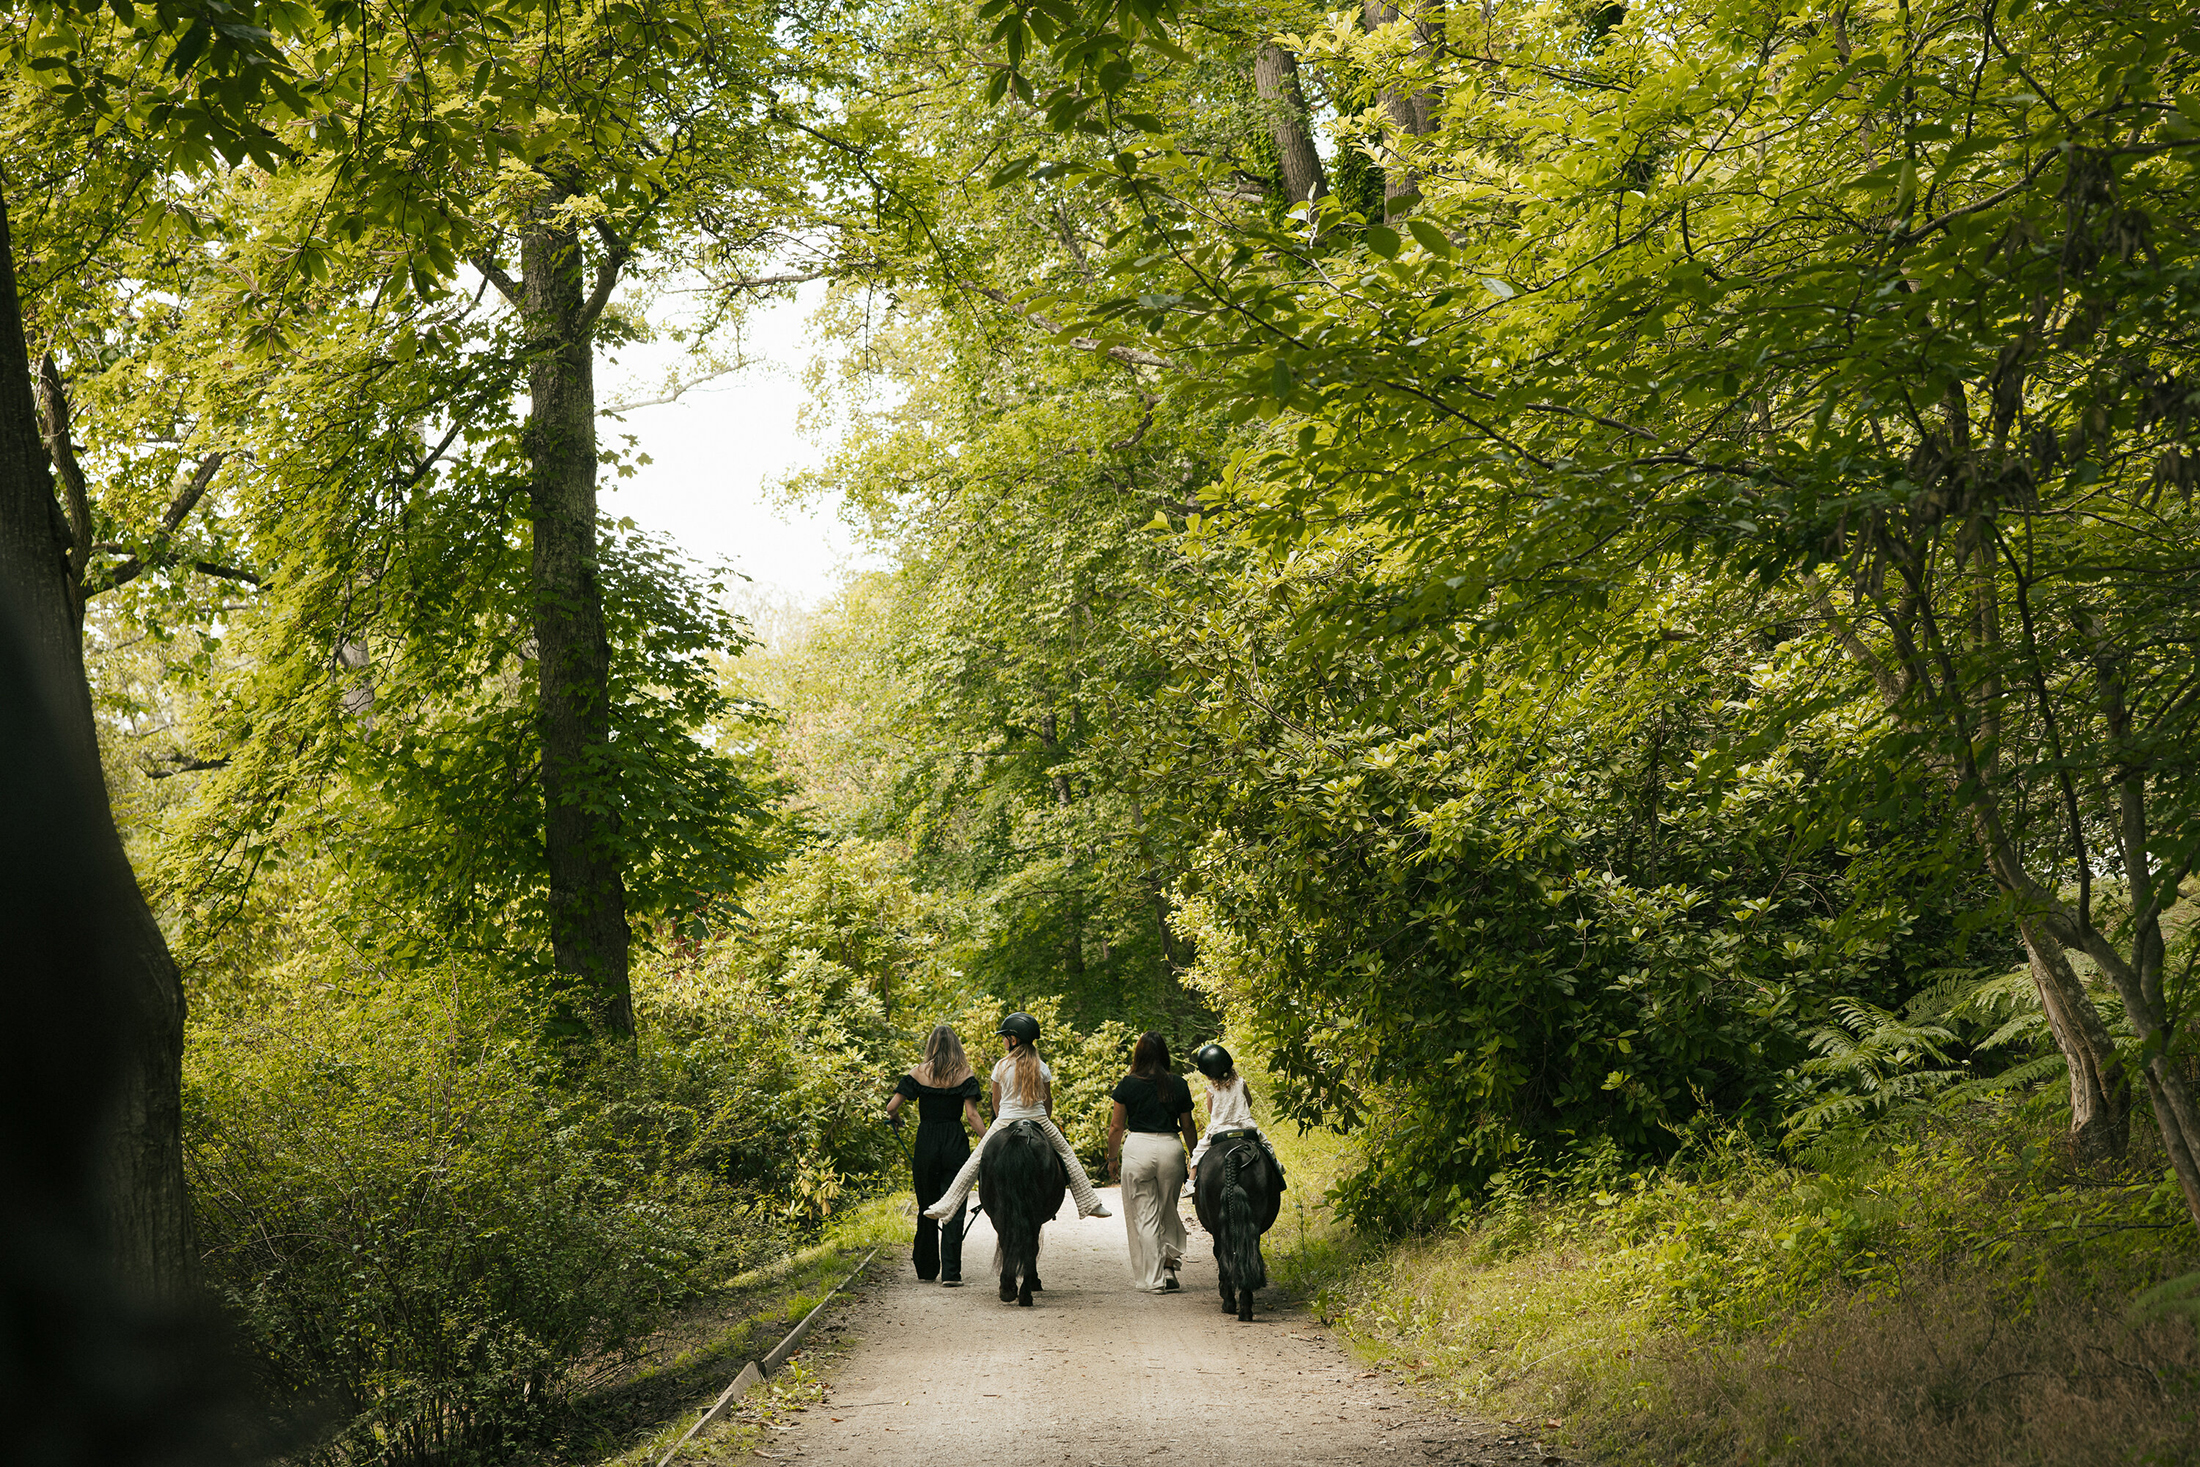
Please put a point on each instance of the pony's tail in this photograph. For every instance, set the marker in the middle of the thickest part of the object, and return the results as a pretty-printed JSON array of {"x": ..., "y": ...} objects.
[{"x": 1240, "y": 1232}]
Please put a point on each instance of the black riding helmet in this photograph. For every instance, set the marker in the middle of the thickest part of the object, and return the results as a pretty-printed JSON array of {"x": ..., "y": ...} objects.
[
  {"x": 1022, "y": 1026},
  {"x": 1214, "y": 1061}
]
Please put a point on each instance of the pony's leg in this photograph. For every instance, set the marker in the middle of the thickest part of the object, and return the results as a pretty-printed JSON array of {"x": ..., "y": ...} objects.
[{"x": 1080, "y": 1185}]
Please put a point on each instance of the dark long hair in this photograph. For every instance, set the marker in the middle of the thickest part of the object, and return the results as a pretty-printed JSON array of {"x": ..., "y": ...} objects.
[{"x": 1151, "y": 1057}]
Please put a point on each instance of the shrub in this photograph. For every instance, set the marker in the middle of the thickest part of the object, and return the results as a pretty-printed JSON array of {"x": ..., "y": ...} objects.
[
  {"x": 419, "y": 1218},
  {"x": 1958, "y": 1297}
]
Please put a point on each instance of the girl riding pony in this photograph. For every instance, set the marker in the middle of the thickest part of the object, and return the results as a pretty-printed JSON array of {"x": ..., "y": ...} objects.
[{"x": 1023, "y": 1090}]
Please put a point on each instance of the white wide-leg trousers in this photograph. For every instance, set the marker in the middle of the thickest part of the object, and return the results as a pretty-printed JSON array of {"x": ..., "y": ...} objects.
[{"x": 1153, "y": 1179}]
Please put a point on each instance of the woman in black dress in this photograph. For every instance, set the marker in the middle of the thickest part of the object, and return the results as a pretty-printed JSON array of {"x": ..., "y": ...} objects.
[{"x": 946, "y": 1093}]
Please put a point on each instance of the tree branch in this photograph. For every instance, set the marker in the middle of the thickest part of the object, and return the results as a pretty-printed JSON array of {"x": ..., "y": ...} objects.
[
  {"x": 492, "y": 272},
  {"x": 616, "y": 252},
  {"x": 188, "y": 497},
  {"x": 1127, "y": 355},
  {"x": 612, "y": 410},
  {"x": 180, "y": 763},
  {"x": 53, "y": 413},
  {"x": 765, "y": 282}
]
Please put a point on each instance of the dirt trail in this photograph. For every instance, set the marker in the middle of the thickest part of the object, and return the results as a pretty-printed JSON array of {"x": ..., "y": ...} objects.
[{"x": 1096, "y": 1375}]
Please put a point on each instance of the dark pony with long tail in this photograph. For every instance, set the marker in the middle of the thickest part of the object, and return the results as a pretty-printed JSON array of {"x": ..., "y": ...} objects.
[
  {"x": 1237, "y": 1193},
  {"x": 1023, "y": 1183}
]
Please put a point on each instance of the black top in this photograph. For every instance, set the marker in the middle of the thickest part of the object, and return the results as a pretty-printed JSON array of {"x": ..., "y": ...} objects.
[
  {"x": 1154, "y": 1105},
  {"x": 936, "y": 1106}
]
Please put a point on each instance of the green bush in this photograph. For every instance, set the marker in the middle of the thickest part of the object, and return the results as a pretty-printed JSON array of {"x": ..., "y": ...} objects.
[
  {"x": 769, "y": 1084},
  {"x": 413, "y": 1241},
  {"x": 422, "y": 1215}
]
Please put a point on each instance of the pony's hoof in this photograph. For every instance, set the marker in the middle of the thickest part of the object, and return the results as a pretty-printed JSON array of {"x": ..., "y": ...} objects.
[
  {"x": 1037, "y": 1287},
  {"x": 1008, "y": 1294},
  {"x": 1023, "y": 1300}
]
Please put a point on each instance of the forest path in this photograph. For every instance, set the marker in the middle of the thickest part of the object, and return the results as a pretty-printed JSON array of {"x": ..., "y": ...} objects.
[{"x": 1098, "y": 1375}]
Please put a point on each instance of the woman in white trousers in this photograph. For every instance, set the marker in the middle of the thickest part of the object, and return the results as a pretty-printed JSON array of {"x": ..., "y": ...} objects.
[{"x": 1147, "y": 1135}]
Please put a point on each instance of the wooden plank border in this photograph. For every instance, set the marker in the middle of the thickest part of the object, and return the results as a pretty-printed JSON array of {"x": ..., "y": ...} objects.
[{"x": 756, "y": 1371}]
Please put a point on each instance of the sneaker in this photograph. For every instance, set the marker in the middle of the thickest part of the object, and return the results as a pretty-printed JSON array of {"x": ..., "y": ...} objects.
[
  {"x": 1169, "y": 1285},
  {"x": 951, "y": 1283}
]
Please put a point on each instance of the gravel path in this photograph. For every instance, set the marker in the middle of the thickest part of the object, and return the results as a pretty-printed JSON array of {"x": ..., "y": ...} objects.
[{"x": 1096, "y": 1375}]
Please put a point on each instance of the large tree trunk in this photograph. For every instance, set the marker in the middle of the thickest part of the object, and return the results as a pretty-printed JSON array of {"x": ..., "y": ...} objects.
[
  {"x": 1283, "y": 110},
  {"x": 589, "y": 937},
  {"x": 145, "y": 1207}
]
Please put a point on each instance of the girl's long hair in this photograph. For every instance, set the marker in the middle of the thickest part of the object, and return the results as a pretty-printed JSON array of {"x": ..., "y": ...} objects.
[
  {"x": 1029, "y": 1083},
  {"x": 1232, "y": 1077},
  {"x": 945, "y": 1065}
]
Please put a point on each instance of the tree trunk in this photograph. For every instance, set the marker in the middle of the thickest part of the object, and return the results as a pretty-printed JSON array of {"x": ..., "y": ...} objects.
[
  {"x": 1073, "y": 921},
  {"x": 1167, "y": 935},
  {"x": 589, "y": 937},
  {"x": 130, "y": 978},
  {"x": 1283, "y": 109},
  {"x": 1410, "y": 113},
  {"x": 2100, "y": 1099}
]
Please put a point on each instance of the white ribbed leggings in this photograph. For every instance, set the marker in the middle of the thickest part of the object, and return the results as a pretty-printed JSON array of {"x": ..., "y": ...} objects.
[{"x": 1080, "y": 1185}]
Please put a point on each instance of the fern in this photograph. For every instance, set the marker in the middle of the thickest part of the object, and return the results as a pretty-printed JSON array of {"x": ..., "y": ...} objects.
[{"x": 1875, "y": 1062}]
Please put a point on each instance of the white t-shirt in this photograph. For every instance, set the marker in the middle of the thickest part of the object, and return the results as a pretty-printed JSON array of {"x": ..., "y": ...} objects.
[{"x": 1004, "y": 1076}]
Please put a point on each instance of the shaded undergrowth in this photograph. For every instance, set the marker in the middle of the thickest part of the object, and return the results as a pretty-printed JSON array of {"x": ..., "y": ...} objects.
[{"x": 631, "y": 1407}]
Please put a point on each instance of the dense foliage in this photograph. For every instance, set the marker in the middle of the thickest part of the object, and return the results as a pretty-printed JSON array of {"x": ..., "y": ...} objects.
[{"x": 1578, "y": 579}]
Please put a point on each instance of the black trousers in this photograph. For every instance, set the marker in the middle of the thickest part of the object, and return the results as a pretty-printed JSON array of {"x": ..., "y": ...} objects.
[{"x": 941, "y": 1151}]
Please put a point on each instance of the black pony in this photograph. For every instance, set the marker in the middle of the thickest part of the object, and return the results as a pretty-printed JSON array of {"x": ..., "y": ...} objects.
[
  {"x": 1237, "y": 1193},
  {"x": 1023, "y": 1183}
]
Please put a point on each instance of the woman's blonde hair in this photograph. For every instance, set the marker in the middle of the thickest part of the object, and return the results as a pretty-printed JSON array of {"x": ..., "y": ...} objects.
[
  {"x": 945, "y": 1065},
  {"x": 1030, "y": 1082}
]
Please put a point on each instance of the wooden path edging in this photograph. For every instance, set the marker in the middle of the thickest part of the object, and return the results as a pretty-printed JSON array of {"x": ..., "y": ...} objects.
[{"x": 756, "y": 1371}]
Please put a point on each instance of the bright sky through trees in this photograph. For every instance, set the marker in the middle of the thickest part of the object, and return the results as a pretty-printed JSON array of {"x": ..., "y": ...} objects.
[{"x": 717, "y": 451}]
